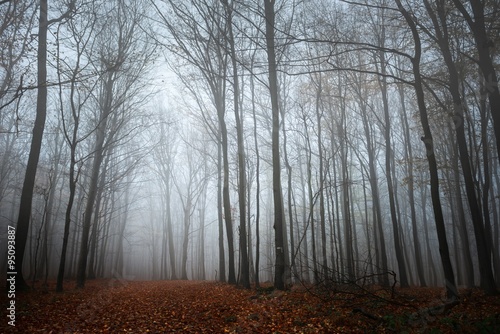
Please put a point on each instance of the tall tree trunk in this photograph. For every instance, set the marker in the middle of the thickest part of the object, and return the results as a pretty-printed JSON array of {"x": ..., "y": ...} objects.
[
  {"x": 489, "y": 235},
  {"x": 322, "y": 218},
  {"x": 279, "y": 216},
  {"x": 106, "y": 109},
  {"x": 170, "y": 233},
  {"x": 23, "y": 220},
  {"x": 388, "y": 167},
  {"x": 346, "y": 212},
  {"x": 432, "y": 267},
  {"x": 118, "y": 266},
  {"x": 380, "y": 247},
  {"x": 484, "y": 44},
  {"x": 220, "y": 216},
  {"x": 411, "y": 188},
  {"x": 451, "y": 289},
  {"x": 290, "y": 201},
  {"x": 225, "y": 192},
  {"x": 201, "y": 260},
  {"x": 311, "y": 219},
  {"x": 482, "y": 244},
  {"x": 95, "y": 234},
  {"x": 245, "y": 273},
  {"x": 257, "y": 184},
  {"x": 340, "y": 245},
  {"x": 305, "y": 244},
  {"x": 185, "y": 238},
  {"x": 461, "y": 221},
  {"x": 72, "y": 190}
]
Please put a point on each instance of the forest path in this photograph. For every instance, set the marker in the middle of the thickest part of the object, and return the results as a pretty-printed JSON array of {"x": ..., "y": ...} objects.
[
  {"x": 118, "y": 306},
  {"x": 159, "y": 307}
]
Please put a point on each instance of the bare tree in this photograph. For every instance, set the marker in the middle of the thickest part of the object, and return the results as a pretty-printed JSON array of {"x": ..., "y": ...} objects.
[
  {"x": 279, "y": 214},
  {"x": 25, "y": 206},
  {"x": 439, "y": 21},
  {"x": 242, "y": 184},
  {"x": 451, "y": 289},
  {"x": 199, "y": 44},
  {"x": 123, "y": 58}
]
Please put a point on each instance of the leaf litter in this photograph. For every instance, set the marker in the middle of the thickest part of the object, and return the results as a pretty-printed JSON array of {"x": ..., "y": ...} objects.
[{"x": 111, "y": 306}]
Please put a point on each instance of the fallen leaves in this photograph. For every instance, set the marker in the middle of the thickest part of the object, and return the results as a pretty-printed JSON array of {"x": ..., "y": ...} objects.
[{"x": 209, "y": 307}]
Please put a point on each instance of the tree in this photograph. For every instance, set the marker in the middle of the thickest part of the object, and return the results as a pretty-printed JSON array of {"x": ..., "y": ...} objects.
[
  {"x": 23, "y": 220},
  {"x": 82, "y": 37},
  {"x": 194, "y": 185},
  {"x": 382, "y": 81},
  {"x": 477, "y": 23},
  {"x": 451, "y": 289},
  {"x": 123, "y": 58},
  {"x": 197, "y": 35},
  {"x": 279, "y": 214},
  {"x": 482, "y": 244},
  {"x": 17, "y": 21},
  {"x": 242, "y": 184},
  {"x": 164, "y": 162}
]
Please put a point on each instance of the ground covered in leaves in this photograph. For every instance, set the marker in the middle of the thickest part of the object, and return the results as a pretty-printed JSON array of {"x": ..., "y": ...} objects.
[{"x": 117, "y": 306}]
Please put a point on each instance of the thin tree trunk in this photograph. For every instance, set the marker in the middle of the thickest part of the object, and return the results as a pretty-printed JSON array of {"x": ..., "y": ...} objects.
[
  {"x": 322, "y": 219},
  {"x": 388, "y": 169},
  {"x": 245, "y": 273},
  {"x": 411, "y": 189},
  {"x": 311, "y": 219},
  {"x": 305, "y": 244},
  {"x": 94, "y": 178},
  {"x": 222, "y": 259},
  {"x": 380, "y": 247},
  {"x": 257, "y": 185}
]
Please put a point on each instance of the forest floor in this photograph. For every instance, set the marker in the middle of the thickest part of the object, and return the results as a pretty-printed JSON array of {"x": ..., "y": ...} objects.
[{"x": 117, "y": 306}]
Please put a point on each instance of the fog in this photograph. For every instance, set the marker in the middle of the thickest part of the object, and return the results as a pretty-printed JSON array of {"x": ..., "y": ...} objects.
[{"x": 247, "y": 142}]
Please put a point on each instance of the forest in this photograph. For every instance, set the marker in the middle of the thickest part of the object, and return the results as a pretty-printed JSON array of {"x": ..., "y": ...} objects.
[{"x": 289, "y": 148}]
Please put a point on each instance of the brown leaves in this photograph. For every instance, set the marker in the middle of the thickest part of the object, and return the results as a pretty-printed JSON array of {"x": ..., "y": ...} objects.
[{"x": 208, "y": 307}]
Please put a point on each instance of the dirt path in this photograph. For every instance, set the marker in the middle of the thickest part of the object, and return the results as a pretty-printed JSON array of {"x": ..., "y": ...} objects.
[
  {"x": 153, "y": 307},
  {"x": 112, "y": 306}
]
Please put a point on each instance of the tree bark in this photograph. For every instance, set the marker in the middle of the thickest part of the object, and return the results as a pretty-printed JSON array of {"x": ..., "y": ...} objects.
[
  {"x": 279, "y": 216},
  {"x": 482, "y": 244},
  {"x": 23, "y": 220},
  {"x": 411, "y": 189},
  {"x": 245, "y": 271},
  {"x": 388, "y": 167},
  {"x": 106, "y": 109},
  {"x": 451, "y": 289},
  {"x": 485, "y": 61}
]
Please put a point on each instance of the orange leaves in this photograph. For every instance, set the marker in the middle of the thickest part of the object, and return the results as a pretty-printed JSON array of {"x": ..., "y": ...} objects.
[{"x": 207, "y": 307}]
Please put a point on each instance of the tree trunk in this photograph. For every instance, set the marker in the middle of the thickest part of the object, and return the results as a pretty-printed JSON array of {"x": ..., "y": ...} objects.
[
  {"x": 388, "y": 168},
  {"x": 484, "y": 45},
  {"x": 23, "y": 220},
  {"x": 185, "y": 238},
  {"x": 482, "y": 244},
  {"x": 106, "y": 109},
  {"x": 257, "y": 184},
  {"x": 311, "y": 218},
  {"x": 411, "y": 189},
  {"x": 245, "y": 273},
  {"x": 222, "y": 258},
  {"x": 67, "y": 223},
  {"x": 380, "y": 247},
  {"x": 321, "y": 190},
  {"x": 451, "y": 289},
  {"x": 279, "y": 217}
]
